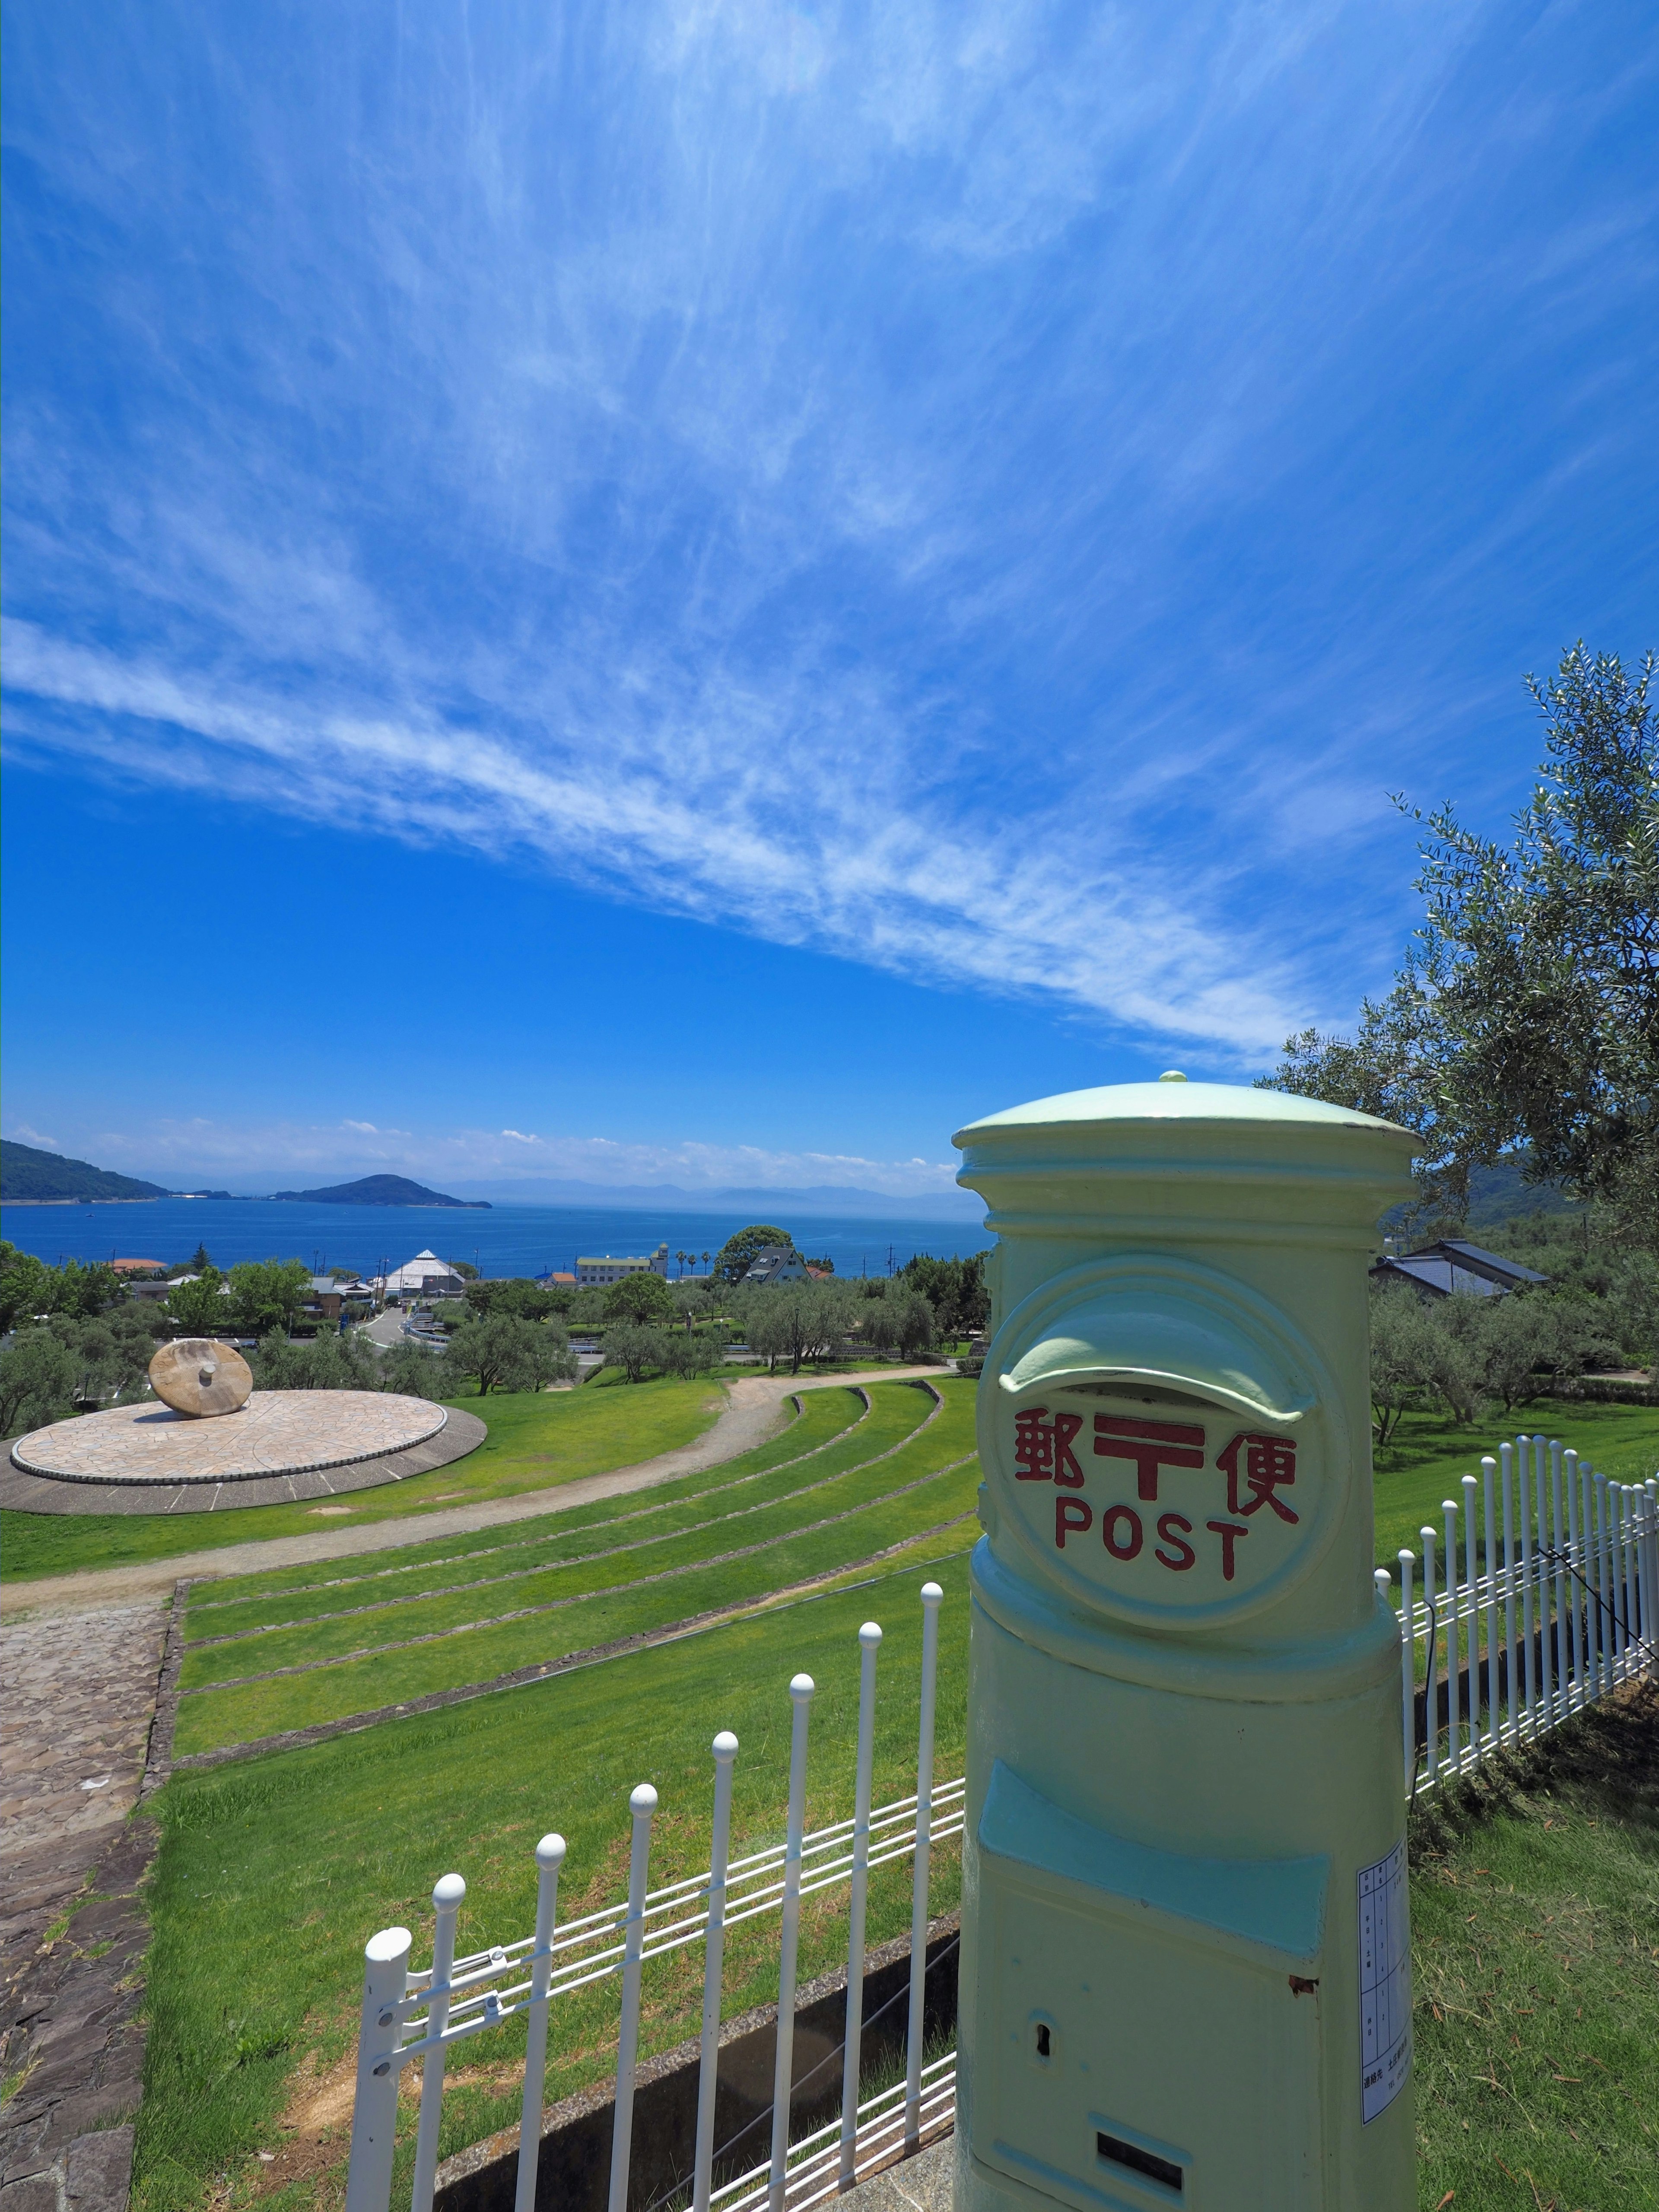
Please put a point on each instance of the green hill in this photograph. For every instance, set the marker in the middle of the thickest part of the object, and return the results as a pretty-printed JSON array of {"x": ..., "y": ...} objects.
[
  {"x": 32, "y": 1177},
  {"x": 381, "y": 1190}
]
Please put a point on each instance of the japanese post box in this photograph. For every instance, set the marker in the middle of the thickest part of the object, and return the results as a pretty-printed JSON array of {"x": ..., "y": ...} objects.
[{"x": 1184, "y": 1963}]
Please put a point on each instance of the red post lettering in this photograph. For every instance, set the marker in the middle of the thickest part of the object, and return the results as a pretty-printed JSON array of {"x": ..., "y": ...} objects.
[
  {"x": 1043, "y": 1447},
  {"x": 1230, "y": 1532},
  {"x": 1109, "y": 1520},
  {"x": 1269, "y": 1464},
  {"x": 1150, "y": 1444},
  {"x": 1174, "y": 1527},
  {"x": 1071, "y": 1517}
]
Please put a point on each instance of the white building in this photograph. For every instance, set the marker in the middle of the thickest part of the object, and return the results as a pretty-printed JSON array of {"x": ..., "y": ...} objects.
[
  {"x": 424, "y": 1276},
  {"x": 608, "y": 1268}
]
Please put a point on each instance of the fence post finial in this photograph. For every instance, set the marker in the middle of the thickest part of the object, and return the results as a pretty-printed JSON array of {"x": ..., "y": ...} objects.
[
  {"x": 931, "y": 1598},
  {"x": 641, "y": 1803},
  {"x": 549, "y": 1857},
  {"x": 374, "y": 2111},
  {"x": 783, "y": 2073},
  {"x": 725, "y": 1748},
  {"x": 853, "y": 2029},
  {"x": 446, "y": 1894}
]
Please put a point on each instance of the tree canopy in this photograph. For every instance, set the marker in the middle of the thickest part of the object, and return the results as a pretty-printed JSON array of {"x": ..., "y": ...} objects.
[
  {"x": 1527, "y": 1014},
  {"x": 28, "y": 1287},
  {"x": 736, "y": 1255},
  {"x": 955, "y": 1289},
  {"x": 516, "y": 1294},
  {"x": 643, "y": 1297},
  {"x": 506, "y": 1352}
]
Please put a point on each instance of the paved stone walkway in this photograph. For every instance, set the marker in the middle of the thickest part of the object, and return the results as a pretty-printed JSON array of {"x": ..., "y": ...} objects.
[
  {"x": 80, "y": 1695},
  {"x": 750, "y": 1416}
]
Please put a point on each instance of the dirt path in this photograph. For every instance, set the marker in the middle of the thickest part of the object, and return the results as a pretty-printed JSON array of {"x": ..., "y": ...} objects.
[{"x": 751, "y": 1416}]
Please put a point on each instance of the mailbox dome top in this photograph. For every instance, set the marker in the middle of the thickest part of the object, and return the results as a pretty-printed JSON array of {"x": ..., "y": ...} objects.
[{"x": 1183, "y": 1101}]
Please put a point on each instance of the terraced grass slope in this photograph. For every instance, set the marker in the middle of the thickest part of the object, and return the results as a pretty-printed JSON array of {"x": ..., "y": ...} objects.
[
  {"x": 537, "y": 1439},
  {"x": 843, "y": 1488},
  {"x": 294, "y": 1859}
]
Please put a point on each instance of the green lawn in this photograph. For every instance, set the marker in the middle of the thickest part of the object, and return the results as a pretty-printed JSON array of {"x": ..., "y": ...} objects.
[
  {"x": 537, "y": 1440},
  {"x": 1429, "y": 1455},
  {"x": 871, "y": 1501},
  {"x": 1535, "y": 1920},
  {"x": 1536, "y": 1909},
  {"x": 293, "y": 1861},
  {"x": 237, "y": 1603}
]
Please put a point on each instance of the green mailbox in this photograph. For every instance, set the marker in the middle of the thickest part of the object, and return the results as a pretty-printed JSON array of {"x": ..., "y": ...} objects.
[{"x": 1185, "y": 1974}]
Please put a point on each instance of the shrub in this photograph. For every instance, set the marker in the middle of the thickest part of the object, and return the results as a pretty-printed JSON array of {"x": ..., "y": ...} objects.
[
  {"x": 38, "y": 1374},
  {"x": 508, "y": 1354},
  {"x": 634, "y": 1349}
]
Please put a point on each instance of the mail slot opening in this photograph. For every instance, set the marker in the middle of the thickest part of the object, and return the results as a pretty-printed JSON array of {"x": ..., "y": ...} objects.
[{"x": 1118, "y": 2152}]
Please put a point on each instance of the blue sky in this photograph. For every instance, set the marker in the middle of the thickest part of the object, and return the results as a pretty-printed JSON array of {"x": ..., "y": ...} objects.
[{"x": 701, "y": 593}]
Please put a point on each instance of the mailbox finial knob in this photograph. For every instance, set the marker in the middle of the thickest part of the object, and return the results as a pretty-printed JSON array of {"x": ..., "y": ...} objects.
[{"x": 1172, "y": 1075}]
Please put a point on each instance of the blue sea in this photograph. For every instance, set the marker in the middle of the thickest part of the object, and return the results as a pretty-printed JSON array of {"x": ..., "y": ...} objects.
[{"x": 507, "y": 1240}]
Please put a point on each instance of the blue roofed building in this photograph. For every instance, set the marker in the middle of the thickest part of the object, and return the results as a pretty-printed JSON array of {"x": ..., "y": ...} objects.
[{"x": 1449, "y": 1264}]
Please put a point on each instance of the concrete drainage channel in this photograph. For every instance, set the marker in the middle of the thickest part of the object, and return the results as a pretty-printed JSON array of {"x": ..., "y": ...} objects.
[{"x": 574, "y": 2168}]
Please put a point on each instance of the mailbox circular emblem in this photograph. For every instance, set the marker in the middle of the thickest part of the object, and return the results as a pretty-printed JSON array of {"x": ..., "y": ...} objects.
[{"x": 1155, "y": 1437}]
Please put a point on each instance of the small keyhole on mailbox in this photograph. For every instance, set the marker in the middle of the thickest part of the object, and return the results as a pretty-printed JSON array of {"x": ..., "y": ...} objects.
[{"x": 1042, "y": 2050}]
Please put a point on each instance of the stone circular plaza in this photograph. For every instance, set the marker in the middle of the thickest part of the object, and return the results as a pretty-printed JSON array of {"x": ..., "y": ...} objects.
[
  {"x": 281, "y": 1445},
  {"x": 275, "y": 1432}
]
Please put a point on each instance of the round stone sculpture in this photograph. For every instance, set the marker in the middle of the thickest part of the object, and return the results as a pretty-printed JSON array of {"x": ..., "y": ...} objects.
[{"x": 193, "y": 1375}]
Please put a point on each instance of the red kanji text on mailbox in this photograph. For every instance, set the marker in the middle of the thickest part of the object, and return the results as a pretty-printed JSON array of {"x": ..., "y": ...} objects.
[
  {"x": 1043, "y": 1447},
  {"x": 1150, "y": 1444},
  {"x": 1262, "y": 1464}
]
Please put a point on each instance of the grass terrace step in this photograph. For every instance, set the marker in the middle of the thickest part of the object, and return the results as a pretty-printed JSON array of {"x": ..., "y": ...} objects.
[
  {"x": 247, "y": 1601},
  {"x": 365, "y": 1661}
]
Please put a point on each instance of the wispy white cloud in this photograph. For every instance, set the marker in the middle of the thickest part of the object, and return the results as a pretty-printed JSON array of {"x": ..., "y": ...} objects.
[
  {"x": 1026, "y": 908},
  {"x": 906, "y": 481},
  {"x": 26, "y": 1135},
  {"x": 243, "y": 1150}
]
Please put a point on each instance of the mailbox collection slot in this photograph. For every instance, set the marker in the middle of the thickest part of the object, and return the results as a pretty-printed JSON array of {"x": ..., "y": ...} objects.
[{"x": 1118, "y": 2152}]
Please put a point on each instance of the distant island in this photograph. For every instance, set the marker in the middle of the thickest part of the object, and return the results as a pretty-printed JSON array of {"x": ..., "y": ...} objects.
[
  {"x": 31, "y": 1177},
  {"x": 382, "y": 1190}
]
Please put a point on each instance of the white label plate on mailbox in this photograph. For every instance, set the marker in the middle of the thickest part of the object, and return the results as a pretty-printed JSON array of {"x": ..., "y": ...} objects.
[{"x": 1385, "y": 1983}]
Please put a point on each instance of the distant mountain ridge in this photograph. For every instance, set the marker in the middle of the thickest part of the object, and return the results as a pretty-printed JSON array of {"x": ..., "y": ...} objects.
[
  {"x": 816, "y": 1199},
  {"x": 31, "y": 1177},
  {"x": 381, "y": 1190}
]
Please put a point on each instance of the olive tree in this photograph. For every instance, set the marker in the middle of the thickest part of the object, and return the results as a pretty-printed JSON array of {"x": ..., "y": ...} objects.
[
  {"x": 508, "y": 1353},
  {"x": 1526, "y": 1020},
  {"x": 37, "y": 1375}
]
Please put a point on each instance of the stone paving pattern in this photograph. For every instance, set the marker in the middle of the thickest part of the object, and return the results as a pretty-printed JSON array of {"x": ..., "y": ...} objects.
[
  {"x": 278, "y": 1432},
  {"x": 34, "y": 1493},
  {"x": 80, "y": 1694}
]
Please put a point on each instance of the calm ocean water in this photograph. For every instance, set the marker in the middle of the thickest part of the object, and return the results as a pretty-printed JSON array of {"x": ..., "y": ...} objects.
[{"x": 508, "y": 1240}]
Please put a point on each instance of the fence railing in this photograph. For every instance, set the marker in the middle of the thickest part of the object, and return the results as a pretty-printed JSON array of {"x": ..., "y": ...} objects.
[
  {"x": 422, "y": 2013},
  {"x": 1541, "y": 1600}
]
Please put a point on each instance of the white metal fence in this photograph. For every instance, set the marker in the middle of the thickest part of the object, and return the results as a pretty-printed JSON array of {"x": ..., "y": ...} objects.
[
  {"x": 423, "y": 2013},
  {"x": 1541, "y": 1601}
]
